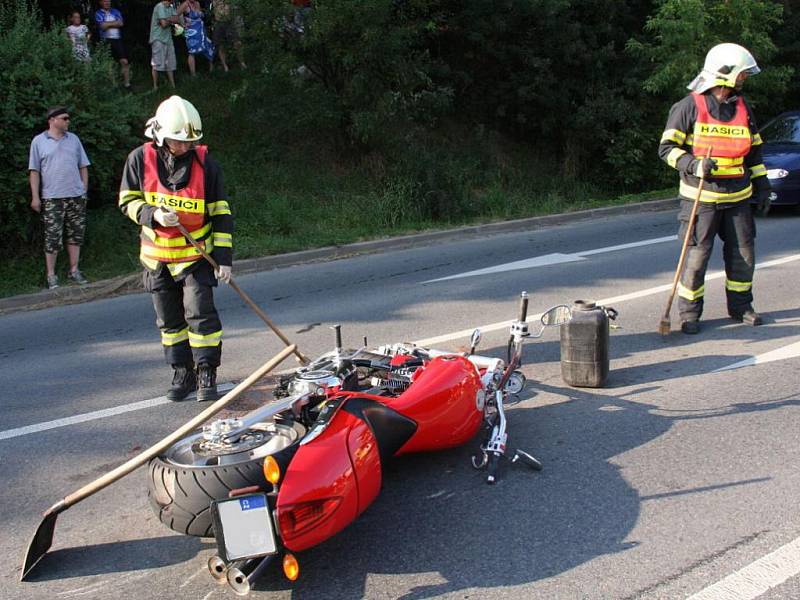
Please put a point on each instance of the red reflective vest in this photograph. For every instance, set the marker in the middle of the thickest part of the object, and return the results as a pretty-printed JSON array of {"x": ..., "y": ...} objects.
[
  {"x": 729, "y": 141},
  {"x": 167, "y": 244}
]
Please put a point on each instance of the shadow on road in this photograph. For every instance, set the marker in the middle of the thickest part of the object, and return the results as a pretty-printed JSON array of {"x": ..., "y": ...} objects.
[
  {"x": 116, "y": 557},
  {"x": 437, "y": 518}
]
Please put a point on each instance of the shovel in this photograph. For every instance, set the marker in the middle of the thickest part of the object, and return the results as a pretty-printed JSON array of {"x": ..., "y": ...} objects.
[
  {"x": 43, "y": 538},
  {"x": 300, "y": 357}
]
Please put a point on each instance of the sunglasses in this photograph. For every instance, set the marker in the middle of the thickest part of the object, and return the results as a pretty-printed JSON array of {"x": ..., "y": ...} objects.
[{"x": 64, "y": 118}]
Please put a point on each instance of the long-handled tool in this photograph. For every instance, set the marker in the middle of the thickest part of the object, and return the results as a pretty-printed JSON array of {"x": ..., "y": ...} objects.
[
  {"x": 300, "y": 357},
  {"x": 664, "y": 327},
  {"x": 43, "y": 538}
]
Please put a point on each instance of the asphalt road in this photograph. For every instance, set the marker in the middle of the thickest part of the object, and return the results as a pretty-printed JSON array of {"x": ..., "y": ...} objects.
[{"x": 671, "y": 478}]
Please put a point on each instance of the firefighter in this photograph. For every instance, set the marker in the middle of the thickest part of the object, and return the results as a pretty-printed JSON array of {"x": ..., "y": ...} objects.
[
  {"x": 715, "y": 115},
  {"x": 170, "y": 180}
]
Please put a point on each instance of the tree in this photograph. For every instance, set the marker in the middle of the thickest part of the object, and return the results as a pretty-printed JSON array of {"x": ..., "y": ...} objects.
[{"x": 37, "y": 70}]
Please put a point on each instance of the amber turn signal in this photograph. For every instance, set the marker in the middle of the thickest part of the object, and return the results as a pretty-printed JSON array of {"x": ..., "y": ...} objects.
[
  {"x": 271, "y": 470},
  {"x": 291, "y": 568}
]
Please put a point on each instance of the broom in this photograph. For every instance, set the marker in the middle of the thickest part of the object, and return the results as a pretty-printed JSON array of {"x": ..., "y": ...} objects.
[{"x": 664, "y": 327}]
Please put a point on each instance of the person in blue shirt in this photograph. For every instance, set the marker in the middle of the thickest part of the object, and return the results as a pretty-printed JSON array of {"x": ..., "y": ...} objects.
[
  {"x": 109, "y": 27},
  {"x": 59, "y": 178}
]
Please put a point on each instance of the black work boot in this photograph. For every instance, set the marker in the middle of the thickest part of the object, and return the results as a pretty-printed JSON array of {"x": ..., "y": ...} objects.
[
  {"x": 184, "y": 382},
  {"x": 690, "y": 327},
  {"x": 748, "y": 317},
  {"x": 206, "y": 383}
]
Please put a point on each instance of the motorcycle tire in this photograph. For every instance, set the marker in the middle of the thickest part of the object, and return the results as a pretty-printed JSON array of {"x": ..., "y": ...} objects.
[{"x": 180, "y": 494}]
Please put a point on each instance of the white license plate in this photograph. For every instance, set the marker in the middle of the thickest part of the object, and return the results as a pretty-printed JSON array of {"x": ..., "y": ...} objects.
[{"x": 243, "y": 527}]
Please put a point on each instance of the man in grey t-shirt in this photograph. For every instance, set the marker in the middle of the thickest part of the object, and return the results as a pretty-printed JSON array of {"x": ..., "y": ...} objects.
[
  {"x": 161, "y": 45},
  {"x": 59, "y": 178}
]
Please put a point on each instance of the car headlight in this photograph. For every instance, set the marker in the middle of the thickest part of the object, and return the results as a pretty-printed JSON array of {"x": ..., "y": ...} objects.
[{"x": 777, "y": 173}]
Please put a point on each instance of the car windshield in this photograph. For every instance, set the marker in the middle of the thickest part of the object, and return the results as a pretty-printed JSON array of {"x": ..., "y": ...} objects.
[{"x": 784, "y": 130}]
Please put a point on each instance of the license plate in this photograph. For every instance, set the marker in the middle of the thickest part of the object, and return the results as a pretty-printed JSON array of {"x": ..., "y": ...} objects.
[{"x": 243, "y": 527}]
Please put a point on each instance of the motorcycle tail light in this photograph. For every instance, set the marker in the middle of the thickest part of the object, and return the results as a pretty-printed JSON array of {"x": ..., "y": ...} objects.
[
  {"x": 272, "y": 470},
  {"x": 297, "y": 518},
  {"x": 291, "y": 568}
]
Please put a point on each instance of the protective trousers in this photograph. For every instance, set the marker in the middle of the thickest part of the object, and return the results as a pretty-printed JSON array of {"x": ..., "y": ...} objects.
[
  {"x": 191, "y": 332},
  {"x": 736, "y": 228}
]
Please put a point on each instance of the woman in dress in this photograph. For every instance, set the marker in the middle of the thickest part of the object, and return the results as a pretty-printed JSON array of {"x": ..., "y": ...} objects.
[
  {"x": 79, "y": 35},
  {"x": 197, "y": 42}
]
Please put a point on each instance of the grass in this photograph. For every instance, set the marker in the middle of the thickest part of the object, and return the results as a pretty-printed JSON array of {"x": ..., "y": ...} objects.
[{"x": 288, "y": 197}]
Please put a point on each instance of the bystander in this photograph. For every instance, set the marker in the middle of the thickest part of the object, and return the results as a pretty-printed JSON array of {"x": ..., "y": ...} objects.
[
  {"x": 161, "y": 45},
  {"x": 59, "y": 178},
  {"x": 109, "y": 28}
]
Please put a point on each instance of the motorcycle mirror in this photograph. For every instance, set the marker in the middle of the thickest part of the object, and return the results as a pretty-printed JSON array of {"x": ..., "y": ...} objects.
[
  {"x": 475, "y": 339},
  {"x": 558, "y": 315}
]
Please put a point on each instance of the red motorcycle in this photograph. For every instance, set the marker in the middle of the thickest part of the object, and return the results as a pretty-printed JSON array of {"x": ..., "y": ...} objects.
[{"x": 291, "y": 474}]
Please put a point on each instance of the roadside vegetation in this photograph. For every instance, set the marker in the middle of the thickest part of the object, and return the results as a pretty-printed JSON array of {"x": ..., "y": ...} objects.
[{"x": 385, "y": 117}]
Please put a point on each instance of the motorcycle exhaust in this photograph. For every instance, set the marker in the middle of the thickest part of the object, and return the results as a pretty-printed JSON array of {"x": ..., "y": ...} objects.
[
  {"x": 218, "y": 568},
  {"x": 241, "y": 577}
]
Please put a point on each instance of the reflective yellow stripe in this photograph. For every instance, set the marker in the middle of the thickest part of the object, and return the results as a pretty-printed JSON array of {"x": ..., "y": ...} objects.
[
  {"x": 724, "y": 161},
  {"x": 205, "y": 341},
  {"x": 758, "y": 170},
  {"x": 132, "y": 209},
  {"x": 170, "y": 339},
  {"x": 674, "y": 155},
  {"x": 167, "y": 255},
  {"x": 688, "y": 191},
  {"x": 737, "y": 171},
  {"x": 757, "y": 141},
  {"x": 197, "y": 234},
  {"x": 673, "y": 135},
  {"x": 224, "y": 240},
  {"x": 175, "y": 269},
  {"x": 128, "y": 195},
  {"x": 691, "y": 295},
  {"x": 689, "y": 140},
  {"x": 738, "y": 286},
  {"x": 179, "y": 203},
  {"x": 220, "y": 207},
  {"x": 718, "y": 130}
]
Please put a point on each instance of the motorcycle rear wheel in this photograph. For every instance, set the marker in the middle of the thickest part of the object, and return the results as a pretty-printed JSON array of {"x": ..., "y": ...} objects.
[{"x": 182, "y": 483}]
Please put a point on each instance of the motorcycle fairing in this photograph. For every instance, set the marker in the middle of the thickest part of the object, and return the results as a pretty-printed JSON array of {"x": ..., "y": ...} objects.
[
  {"x": 390, "y": 428},
  {"x": 342, "y": 463}
]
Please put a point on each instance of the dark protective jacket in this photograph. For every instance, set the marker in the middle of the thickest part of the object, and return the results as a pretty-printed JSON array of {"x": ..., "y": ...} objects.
[
  {"x": 677, "y": 150},
  {"x": 208, "y": 218}
]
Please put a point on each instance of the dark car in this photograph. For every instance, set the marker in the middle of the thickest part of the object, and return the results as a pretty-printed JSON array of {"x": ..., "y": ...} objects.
[{"x": 781, "y": 151}]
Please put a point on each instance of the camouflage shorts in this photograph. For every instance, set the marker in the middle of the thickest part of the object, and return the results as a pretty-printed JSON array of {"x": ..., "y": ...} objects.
[{"x": 60, "y": 214}]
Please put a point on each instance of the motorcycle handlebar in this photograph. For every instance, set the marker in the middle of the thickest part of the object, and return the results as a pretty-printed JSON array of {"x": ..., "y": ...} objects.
[{"x": 523, "y": 306}]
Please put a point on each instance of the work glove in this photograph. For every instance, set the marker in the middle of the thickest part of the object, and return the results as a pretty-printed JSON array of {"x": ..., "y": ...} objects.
[
  {"x": 165, "y": 217},
  {"x": 224, "y": 273},
  {"x": 764, "y": 198},
  {"x": 701, "y": 167}
]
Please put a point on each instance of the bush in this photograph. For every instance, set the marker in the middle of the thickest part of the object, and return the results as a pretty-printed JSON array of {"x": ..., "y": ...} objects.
[{"x": 37, "y": 71}]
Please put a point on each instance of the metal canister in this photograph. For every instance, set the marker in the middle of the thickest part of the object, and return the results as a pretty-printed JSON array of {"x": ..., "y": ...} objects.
[{"x": 584, "y": 345}]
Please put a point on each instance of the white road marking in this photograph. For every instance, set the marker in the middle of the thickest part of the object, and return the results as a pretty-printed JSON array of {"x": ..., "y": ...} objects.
[
  {"x": 789, "y": 351},
  {"x": 756, "y": 578},
  {"x": 528, "y": 263},
  {"x": 431, "y": 341},
  {"x": 97, "y": 414},
  {"x": 447, "y": 337},
  {"x": 553, "y": 259}
]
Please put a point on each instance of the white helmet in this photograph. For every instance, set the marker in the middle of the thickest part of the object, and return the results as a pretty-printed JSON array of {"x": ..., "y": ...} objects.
[
  {"x": 176, "y": 119},
  {"x": 724, "y": 63}
]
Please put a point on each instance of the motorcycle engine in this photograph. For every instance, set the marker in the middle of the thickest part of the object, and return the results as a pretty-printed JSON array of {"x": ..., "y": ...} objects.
[{"x": 314, "y": 382}]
